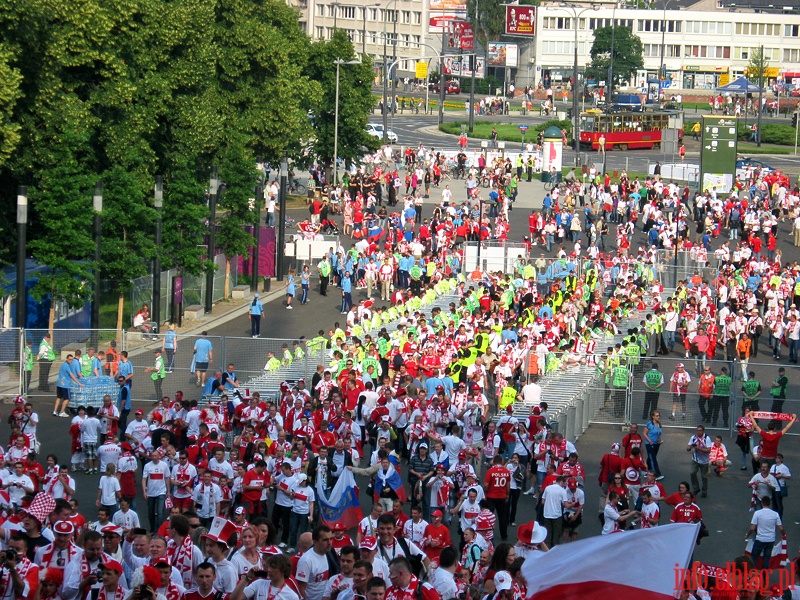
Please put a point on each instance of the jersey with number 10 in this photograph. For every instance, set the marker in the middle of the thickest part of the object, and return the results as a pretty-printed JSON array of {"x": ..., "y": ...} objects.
[{"x": 497, "y": 482}]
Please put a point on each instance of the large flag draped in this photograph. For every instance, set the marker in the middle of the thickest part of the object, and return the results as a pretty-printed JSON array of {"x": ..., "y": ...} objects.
[
  {"x": 600, "y": 576},
  {"x": 779, "y": 558},
  {"x": 342, "y": 505}
]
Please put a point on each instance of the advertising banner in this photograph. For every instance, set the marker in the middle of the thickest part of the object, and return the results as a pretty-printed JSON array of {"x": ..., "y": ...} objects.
[
  {"x": 502, "y": 54},
  {"x": 520, "y": 20},
  {"x": 460, "y": 35},
  {"x": 461, "y": 66}
]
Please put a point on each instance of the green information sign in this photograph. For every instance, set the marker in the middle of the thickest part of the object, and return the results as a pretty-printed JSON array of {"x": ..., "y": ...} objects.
[{"x": 718, "y": 154}]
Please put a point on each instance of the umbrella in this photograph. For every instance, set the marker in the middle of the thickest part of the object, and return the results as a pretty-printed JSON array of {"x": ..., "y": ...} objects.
[{"x": 740, "y": 86}]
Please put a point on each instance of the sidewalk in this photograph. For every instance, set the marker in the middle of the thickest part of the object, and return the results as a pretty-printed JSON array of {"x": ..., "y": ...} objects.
[{"x": 222, "y": 312}]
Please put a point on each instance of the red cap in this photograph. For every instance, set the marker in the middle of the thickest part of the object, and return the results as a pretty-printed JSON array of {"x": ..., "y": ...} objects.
[{"x": 113, "y": 565}]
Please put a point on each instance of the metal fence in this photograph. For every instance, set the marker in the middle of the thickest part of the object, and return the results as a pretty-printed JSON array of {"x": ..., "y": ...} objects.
[
  {"x": 194, "y": 286},
  {"x": 12, "y": 363},
  {"x": 672, "y": 267},
  {"x": 634, "y": 404},
  {"x": 490, "y": 256}
]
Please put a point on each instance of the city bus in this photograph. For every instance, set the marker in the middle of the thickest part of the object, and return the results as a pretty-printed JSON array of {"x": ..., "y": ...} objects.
[{"x": 629, "y": 129}]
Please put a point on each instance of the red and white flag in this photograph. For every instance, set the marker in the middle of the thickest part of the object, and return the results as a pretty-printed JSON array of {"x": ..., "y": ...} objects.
[{"x": 664, "y": 550}]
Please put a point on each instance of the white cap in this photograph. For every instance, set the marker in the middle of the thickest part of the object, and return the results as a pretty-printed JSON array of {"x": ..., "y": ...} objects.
[{"x": 502, "y": 581}]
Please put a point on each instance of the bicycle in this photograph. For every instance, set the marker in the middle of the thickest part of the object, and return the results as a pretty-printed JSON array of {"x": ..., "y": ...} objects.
[
  {"x": 295, "y": 187},
  {"x": 555, "y": 184}
]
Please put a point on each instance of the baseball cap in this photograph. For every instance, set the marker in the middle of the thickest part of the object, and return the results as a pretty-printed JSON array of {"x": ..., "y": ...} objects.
[
  {"x": 615, "y": 447},
  {"x": 64, "y": 527},
  {"x": 368, "y": 543},
  {"x": 112, "y": 530},
  {"x": 302, "y": 477},
  {"x": 462, "y": 454},
  {"x": 113, "y": 565},
  {"x": 162, "y": 560},
  {"x": 423, "y": 445},
  {"x": 139, "y": 411},
  {"x": 239, "y": 510},
  {"x": 437, "y": 513},
  {"x": 502, "y": 581},
  {"x": 572, "y": 483},
  {"x": 679, "y": 366}
]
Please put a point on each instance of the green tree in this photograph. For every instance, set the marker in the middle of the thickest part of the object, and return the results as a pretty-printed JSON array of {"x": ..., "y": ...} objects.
[
  {"x": 10, "y": 79},
  {"x": 757, "y": 67},
  {"x": 65, "y": 246},
  {"x": 627, "y": 54},
  {"x": 355, "y": 100}
]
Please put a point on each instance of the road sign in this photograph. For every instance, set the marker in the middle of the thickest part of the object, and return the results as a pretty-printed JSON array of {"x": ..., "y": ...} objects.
[
  {"x": 523, "y": 128},
  {"x": 421, "y": 70},
  {"x": 718, "y": 154}
]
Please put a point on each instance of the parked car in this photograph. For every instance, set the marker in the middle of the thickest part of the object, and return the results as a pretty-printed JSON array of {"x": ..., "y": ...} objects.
[
  {"x": 451, "y": 87},
  {"x": 745, "y": 165},
  {"x": 376, "y": 129}
]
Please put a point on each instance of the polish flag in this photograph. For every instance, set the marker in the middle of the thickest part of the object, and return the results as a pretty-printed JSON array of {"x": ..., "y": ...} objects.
[{"x": 661, "y": 551}]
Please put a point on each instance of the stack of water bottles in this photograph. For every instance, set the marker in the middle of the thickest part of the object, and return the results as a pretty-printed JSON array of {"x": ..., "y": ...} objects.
[{"x": 92, "y": 392}]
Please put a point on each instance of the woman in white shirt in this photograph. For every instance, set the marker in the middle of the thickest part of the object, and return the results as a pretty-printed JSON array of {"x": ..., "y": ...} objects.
[
  {"x": 613, "y": 520},
  {"x": 247, "y": 557}
]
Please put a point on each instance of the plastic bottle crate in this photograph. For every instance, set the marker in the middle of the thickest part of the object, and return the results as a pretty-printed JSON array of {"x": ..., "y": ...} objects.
[{"x": 92, "y": 392}]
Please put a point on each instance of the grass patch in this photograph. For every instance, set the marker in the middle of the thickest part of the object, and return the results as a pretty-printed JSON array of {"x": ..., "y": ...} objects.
[
  {"x": 579, "y": 174},
  {"x": 751, "y": 148},
  {"x": 507, "y": 132}
]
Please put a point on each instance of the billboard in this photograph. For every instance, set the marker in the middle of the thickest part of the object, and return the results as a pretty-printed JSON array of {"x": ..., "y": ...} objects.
[
  {"x": 461, "y": 66},
  {"x": 502, "y": 54},
  {"x": 443, "y": 11},
  {"x": 520, "y": 20},
  {"x": 718, "y": 154},
  {"x": 460, "y": 35}
]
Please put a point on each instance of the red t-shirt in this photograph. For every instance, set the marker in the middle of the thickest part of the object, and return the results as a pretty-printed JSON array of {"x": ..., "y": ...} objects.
[
  {"x": 686, "y": 514},
  {"x": 631, "y": 441},
  {"x": 253, "y": 478},
  {"x": 769, "y": 443},
  {"x": 497, "y": 480},
  {"x": 440, "y": 534}
]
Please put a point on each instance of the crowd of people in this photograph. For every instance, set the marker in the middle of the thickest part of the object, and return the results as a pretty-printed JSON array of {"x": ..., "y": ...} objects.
[{"x": 228, "y": 490}]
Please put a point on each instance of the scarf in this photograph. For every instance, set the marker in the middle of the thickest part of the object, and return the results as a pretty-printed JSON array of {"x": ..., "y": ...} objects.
[
  {"x": 86, "y": 571},
  {"x": 171, "y": 592},
  {"x": 22, "y": 569},
  {"x": 50, "y": 556},
  {"x": 182, "y": 559},
  {"x": 119, "y": 594}
]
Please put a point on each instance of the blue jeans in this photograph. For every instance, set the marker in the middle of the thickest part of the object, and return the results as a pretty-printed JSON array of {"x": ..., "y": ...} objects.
[
  {"x": 347, "y": 301},
  {"x": 304, "y": 298},
  {"x": 652, "y": 457},
  {"x": 298, "y": 525},
  {"x": 155, "y": 512},
  {"x": 669, "y": 339},
  {"x": 794, "y": 345},
  {"x": 762, "y": 549}
]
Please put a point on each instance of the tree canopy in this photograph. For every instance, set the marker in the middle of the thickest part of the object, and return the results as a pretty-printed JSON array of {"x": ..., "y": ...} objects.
[
  {"x": 124, "y": 90},
  {"x": 627, "y": 54}
]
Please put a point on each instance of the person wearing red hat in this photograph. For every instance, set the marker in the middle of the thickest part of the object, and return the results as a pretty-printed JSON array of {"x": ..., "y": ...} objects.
[
  {"x": 59, "y": 553},
  {"x": 80, "y": 576},
  {"x": 111, "y": 574},
  {"x": 436, "y": 537},
  {"x": 138, "y": 429},
  {"x": 217, "y": 542}
]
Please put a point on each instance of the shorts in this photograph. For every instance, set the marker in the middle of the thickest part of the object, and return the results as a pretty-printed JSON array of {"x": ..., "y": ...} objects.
[
  {"x": 202, "y": 367},
  {"x": 90, "y": 450},
  {"x": 62, "y": 393},
  {"x": 288, "y": 295},
  {"x": 573, "y": 526}
]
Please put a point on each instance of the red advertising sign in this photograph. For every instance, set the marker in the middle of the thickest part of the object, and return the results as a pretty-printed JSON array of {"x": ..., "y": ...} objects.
[
  {"x": 460, "y": 35},
  {"x": 520, "y": 20}
]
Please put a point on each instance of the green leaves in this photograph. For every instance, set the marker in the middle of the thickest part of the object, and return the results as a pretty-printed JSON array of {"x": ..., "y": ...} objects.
[{"x": 627, "y": 53}]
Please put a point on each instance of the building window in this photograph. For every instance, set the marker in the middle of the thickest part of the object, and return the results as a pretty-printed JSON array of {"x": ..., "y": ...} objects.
[
  {"x": 373, "y": 14},
  {"x": 319, "y": 33},
  {"x": 417, "y": 18},
  {"x": 406, "y": 17},
  {"x": 320, "y": 10},
  {"x": 791, "y": 30},
  {"x": 792, "y": 56},
  {"x": 416, "y": 39}
]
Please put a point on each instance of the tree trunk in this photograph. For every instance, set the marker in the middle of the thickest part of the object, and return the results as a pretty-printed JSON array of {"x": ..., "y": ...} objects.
[
  {"x": 120, "y": 309},
  {"x": 226, "y": 293}
]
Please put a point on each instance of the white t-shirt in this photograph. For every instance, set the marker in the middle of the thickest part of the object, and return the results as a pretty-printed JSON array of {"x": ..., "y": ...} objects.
[
  {"x": 138, "y": 430},
  {"x": 156, "y": 475},
  {"x": 300, "y": 506},
  {"x": 312, "y": 569},
  {"x": 89, "y": 430},
  {"x": 261, "y": 589},
  {"x": 553, "y": 496},
  {"x": 206, "y": 498},
  {"x": 766, "y": 521},
  {"x": 108, "y": 453},
  {"x": 16, "y": 490},
  {"x": 610, "y": 516},
  {"x": 337, "y": 581},
  {"x": 109, "y": 486},
  {"x": 181, "y": 475},
  {"x": 445, "y": 584},
  {"x": 453, "y": 445},
  {"x": 126, "y": 520}
]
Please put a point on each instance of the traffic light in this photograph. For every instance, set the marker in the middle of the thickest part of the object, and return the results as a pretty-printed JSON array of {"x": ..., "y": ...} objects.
[{"x": 794, "y": 119}]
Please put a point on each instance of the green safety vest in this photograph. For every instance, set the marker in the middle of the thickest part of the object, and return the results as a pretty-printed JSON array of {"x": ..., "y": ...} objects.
[
  {"x": 507, "y": 397},
  {"x": 632, "y": 351},
  {"x": 370, "y": 362},
  {"x": 750, "y": 387},
  {"x": 529, "y": 272},
  {"x": 160, "y": 372},
  {"x": 620, "y": 376},
  {"x": 430, "y": 268},
  {"x": 722, "y": 385},
  {"x": 28, "y": 359},
  {"x": 324, "y": 268},
  {"x": 653, "y": 378},
  {"x": 51, "y": 355},
  {"x": 86, "y": 365},
  {"x": 299, "y": 354},
  {"x": 416, "y": 272},
  {"x": 273, "y": 364},
  {"x": 316, "y": 344}
]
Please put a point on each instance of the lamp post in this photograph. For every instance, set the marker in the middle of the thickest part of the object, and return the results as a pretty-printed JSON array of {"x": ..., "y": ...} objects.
[
  {"x": 97, "y": 203},
  {"x": 662, "y": 74},
  {"x": 257, "y": 236},
  {"x": 576, "y": 117},
  {"x": 22, "y": 231},
  {"x": 282, "y": 219},
  {"x": 386, "y": 72},
  {"x": 214, "y": 189},
  {"x": 335, "y": 6},
  {"x": 338, "y": 62},
  {"x": 158, "y": 202},
  {"x": 760, "y": 97},
  {"x": 474, "y": 63}
]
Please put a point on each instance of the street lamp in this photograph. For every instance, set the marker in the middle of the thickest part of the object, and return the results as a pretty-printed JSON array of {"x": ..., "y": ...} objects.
[
  {"x": 284, "y": 173},
  {"x": 662, "y": 74},
  {"x": 216, "y": 187},
  {"x": 386, "y": 69},
  {"x": 97, "y": 202},
  {"x": 576, "y": 122},
  {"x": 158, "y": 203},
  {"x": 22, "y": 231},
  {"x": 257, "y": 235},
  {"x": 335, "y": 6},
  {"x": 338, "y": 62}
]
